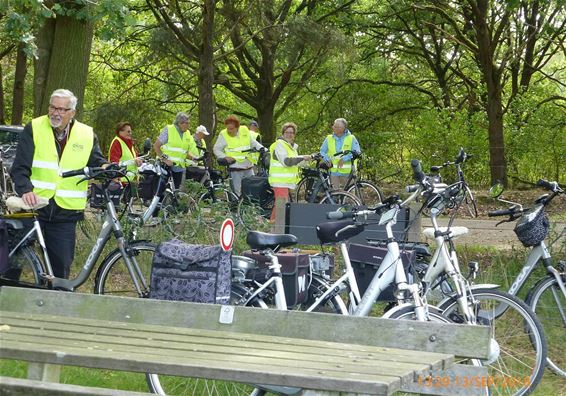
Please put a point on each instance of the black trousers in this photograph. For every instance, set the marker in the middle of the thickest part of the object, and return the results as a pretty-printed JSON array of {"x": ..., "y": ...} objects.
[{"x": 60, "y": 239}]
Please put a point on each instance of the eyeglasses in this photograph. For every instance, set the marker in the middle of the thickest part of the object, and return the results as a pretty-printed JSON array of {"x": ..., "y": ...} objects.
[
  {"x": 290, "y": 131},
  {"x": 60, "y": 110}
]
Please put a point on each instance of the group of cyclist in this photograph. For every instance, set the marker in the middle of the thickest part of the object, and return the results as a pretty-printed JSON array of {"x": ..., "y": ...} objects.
[{"x": 57, "y": 142}]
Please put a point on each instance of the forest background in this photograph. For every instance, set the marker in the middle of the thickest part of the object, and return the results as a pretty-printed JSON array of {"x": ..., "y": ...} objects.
[{"x": 414, "y": 79}]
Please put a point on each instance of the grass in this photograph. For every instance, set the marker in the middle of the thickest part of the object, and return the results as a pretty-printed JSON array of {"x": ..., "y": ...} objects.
[{"x": 500, "y": 267}]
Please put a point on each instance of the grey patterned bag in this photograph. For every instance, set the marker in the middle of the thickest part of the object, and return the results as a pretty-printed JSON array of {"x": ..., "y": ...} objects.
[{"x": 195, "y": 273}]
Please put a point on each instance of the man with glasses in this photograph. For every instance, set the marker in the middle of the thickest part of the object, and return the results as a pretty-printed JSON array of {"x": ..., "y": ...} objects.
[
  {"x": 176, "y": 143},
  {"x": 49, "y": 145},
  {"x": 341, "y": 139}
]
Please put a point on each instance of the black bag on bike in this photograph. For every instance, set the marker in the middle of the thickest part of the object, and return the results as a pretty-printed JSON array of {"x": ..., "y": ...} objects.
[
  {"x": 194, "y": 273},
  {"x": 257, "y": 189},
  {"x": 97, "y": 195},
  {"x": 148, "y": 186},
  {"x": 533, "y": 227},
  {"x": 4, "y": 248},
  {"x": 195, "y": 173}
]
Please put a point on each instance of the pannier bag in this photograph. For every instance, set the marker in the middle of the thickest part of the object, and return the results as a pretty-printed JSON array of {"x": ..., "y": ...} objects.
[
  {"x": 97, "y": 195},
  {"x": 366, "y": 260},
  {"x": 256, "y": 189},
  {"x": 533, "y": 227},
  {"x": 194, "y": 273},
  {"x": 294, "y": 270},
  {"x": 148, "y": 186}
]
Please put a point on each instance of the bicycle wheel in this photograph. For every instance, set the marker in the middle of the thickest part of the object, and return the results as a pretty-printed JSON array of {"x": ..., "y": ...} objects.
[
  {"x": 216, "y": 206},
  {"x": 367, "y": 192},
  {"x": 519, "y": 334},
  {"x": 24, "y": 267},
  {"x": 470, "y": 202},
  {"x": 317, "y": 288},
  {"x": 340, "y": 198},
  {"x": 304, "y": 189},
  {"x": 113, "y": 276},
  {"x": 173, "y": 385},
  {"x": 252, "y": 216},
  {"x": 181, "y": 216},
  {"x": 549, "y": 305}
]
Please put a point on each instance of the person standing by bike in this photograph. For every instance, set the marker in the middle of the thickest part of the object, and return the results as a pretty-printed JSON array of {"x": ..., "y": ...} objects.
[
  {"x": 340, "y": 140},
  {"x": 284, "y": 164},
  {"x": 122, "y": 150},
  {"x": 176, "y": 142},
  {"x": 48, "y": 145},
  {"x": 229, "y": 148}
]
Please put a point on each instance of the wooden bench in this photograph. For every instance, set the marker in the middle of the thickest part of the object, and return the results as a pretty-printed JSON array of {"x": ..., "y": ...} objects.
[{"x": 321, "y": 353}]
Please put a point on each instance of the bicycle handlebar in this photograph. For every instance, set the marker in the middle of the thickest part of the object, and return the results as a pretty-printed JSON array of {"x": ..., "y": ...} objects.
[{"x": 504, "y": 212}]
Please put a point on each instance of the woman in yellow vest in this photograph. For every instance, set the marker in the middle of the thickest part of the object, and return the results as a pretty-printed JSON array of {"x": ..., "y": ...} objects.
[
  {"x": 122, "y": 150},
  {"x": 284, "y": 164},
  {"x": 229, "y": 149}
]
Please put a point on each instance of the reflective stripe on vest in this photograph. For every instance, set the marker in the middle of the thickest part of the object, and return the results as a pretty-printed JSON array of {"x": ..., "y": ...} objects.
[
  {"x": 176, "y": 148},
  {"x": 346, "y": 145},
  {"x": 278, "y": 172},
  {"x": 46, "y": 166},
  {"x": 127, "y": 155},
  {"x": 236, "y": 144}
]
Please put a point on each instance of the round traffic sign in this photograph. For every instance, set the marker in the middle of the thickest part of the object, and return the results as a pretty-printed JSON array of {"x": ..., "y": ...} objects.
[{"x": 227, "y": 234}]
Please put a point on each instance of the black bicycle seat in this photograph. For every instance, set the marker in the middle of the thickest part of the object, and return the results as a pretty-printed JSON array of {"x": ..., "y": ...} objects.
[
  {"x": 262, "y": 240},
  {"x": 326, "y": 232}
]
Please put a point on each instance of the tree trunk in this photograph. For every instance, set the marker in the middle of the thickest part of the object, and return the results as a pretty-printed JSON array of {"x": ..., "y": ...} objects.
[
  {"x": 206, "y": 106},
  {"x": 68, "y": 54},
  {"x": 2, "y": 101},
  {"x": 19, "y": 85}
]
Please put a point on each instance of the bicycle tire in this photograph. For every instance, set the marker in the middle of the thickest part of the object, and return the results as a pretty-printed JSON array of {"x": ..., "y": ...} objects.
[
  {"x": 334, "y": 304},
  {"x": 340, "y": 198},
  {"x": 470, "y": 202},
  {"x": 514, "y": 365},
  {"x": 549, "y": 304},
  {"x": 113, "y": 277},
  {"x": 181, "y": 216},
  {"x": 25, "y": 268},
  {"x": 253, "y": 216},
  {"x": 173, "y": 385},
  {"x": 213, "y": 209},
  {"x": 367, "y": 192},
  {"x": 304, "y": 189}
]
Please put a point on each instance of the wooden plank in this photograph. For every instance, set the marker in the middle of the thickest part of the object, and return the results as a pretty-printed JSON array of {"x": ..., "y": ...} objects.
[
  {"x": 25, "y": 387},
  {"x": 461, "y": 340},
  {"x": 65, "y": 351}
]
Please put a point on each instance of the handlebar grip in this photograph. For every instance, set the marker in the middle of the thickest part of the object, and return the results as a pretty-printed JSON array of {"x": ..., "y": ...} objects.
[
  {"x": 412, "y": 188},
  {"x": 418, "y": 173},
  {"x": 546, "y": 184},
  {"x": 501, "y": 212},
  {"x": 435, "y": 168},
  {"x": 77, "y": 172},
  {"x": 337, "y": 215}
]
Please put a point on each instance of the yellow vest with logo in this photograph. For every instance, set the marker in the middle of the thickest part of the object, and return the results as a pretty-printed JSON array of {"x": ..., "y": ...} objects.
[
  {"x": 127, "y": 155},
  {"x": 177, "y": 148},
  {"x": 236, "y": 144},
  {"x": 278, "y": 172},
  {"x": 195, "y": 152},
  {"x": 47, "y": 167},
  {"x": 347, "y": 145}
]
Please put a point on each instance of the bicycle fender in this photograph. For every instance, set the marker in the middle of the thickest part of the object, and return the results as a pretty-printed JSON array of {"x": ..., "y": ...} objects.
[
  {"x": 473, "y": 287},
  {"x": 390, "y": 313}
]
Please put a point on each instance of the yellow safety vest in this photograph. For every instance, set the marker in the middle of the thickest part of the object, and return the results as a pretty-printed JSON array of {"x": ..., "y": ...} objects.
[
  {"x": 47, "y": 167},
  {"x": 347, "y": 145},
  {"x": 127, "y": 155},
  {"x": 195, "y": 152},
  {"x": 236, "y": 144},
  {"x": 278, "y": 172},
  {"x": 254, "y": 157},
  {"x": 176, "y": 148}
]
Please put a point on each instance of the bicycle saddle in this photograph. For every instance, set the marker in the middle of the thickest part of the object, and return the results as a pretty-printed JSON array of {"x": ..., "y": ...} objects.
[
  {"x": 17, "y": 204},
  {"x": 262, "y": 240},
  {"x": 337, "y": 231}
]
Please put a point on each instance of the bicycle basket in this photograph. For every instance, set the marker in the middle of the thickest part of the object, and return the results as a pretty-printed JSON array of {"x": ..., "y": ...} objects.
[{"x": 533, "y": 227}]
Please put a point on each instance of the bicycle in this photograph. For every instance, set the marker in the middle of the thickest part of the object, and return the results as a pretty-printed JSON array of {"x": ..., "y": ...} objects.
[
  {"x": 467, "y": 196},
  {"x": 367, "y": 192},
  {"x": 129, "y": 264},
  {"x": 315, "y": 187},
  {"x": 517, "y": 332},
  {"x": 547, "y": 297}
]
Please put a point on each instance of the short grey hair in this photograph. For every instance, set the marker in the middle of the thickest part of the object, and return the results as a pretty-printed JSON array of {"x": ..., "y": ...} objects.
[
  {"x": 65, "y": 93},
  {"x": 181, "y": 117},
  {"x": 343, "y": 121}
]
